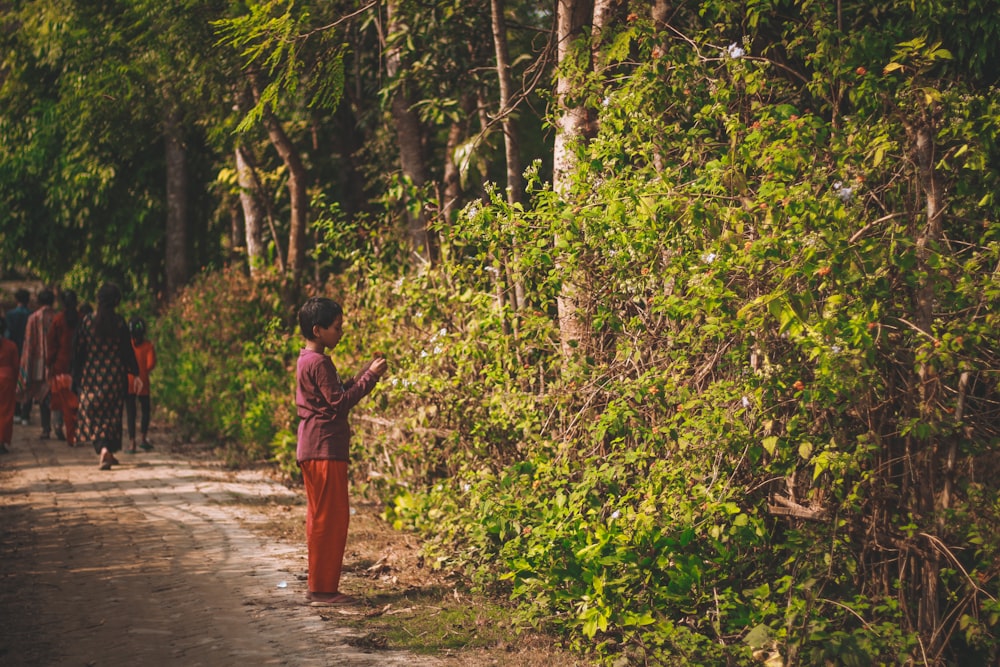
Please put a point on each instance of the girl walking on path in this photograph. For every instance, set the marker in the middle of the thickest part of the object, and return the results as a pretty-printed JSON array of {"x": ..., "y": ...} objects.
[
  {"x": 103, "y": 359},
  {"x": 60, "y": 357},
  {"x": 9, "y": 368},
  {"x": 145, "y": 356}
]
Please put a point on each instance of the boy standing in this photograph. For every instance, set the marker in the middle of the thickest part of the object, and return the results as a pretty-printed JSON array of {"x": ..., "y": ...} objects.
[{"x": 323, "y": 449}]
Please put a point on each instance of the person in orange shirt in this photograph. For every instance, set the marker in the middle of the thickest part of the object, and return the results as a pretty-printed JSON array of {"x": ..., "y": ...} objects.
[
  {"x": 10, "y": 363},
  {"x": 138, "y": 392}
]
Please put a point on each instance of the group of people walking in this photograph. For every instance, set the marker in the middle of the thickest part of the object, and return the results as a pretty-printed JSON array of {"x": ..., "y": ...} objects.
[{"x": 81, "y": 366}]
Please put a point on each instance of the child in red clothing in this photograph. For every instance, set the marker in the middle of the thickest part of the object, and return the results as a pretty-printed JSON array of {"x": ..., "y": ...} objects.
[
  {"x": 10, "y": 364},
  {"x": 324, "y": 435},
  {"x": 145, "y": 356}
]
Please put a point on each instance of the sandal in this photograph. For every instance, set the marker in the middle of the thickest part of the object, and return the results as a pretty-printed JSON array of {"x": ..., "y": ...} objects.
[
  {"x": 330, "y": 599},
  {"x": 106, "y": 460}
]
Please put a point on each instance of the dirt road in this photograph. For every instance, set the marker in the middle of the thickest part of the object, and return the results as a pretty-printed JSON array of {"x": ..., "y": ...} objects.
[{"x": 151, "y": 563}]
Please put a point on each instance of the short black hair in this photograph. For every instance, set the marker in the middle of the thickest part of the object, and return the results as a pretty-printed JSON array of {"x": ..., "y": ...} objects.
[
  {"x": 318, "y": 311},
  {"x": 22, "y": 296},
  {"x": 46, "y": 297}
]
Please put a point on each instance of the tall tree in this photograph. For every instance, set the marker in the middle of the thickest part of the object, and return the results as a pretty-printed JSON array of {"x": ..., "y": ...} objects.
[{"x": 409, "y": 133}]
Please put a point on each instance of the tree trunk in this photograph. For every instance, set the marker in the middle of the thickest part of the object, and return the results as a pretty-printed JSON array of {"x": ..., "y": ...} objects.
[
  {"x": 409, "y": 134},
  {"x": 297, "y": 193},
  {"x": 253, "y": 215},
  {"x": 927, "y": 501},
  {"x": 512, "y": 141},
  {"x": 237, "y": 244},
  {"x": 452, "y": 177},
  {"x": 176, "y": 236},
  {"x": 571, "y": 128}
]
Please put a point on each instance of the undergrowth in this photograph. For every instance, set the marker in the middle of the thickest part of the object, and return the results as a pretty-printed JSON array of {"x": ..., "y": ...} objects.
[{"x": 766, "y": 447}]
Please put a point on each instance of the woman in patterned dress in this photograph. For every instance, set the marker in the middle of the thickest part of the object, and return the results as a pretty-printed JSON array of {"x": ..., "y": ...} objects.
[{"x": 103, "y": 360}]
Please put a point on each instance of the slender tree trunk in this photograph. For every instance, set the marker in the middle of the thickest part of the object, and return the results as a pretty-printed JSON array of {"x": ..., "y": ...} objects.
[
  {"x": 512, "y": 143},
  {"x": 236, "y": 240},
  {"x": 253, "y": 215},
  {"x": 297, "y": 192},
  {"x": 928, "y": 567},
  {"x": 409, "y": 134},
  {"x": 452, "y": 177},
  {"x": 512, "y": 140},
  {"x": 176, "y": 236},
  {"x": 572, "y": 122}
]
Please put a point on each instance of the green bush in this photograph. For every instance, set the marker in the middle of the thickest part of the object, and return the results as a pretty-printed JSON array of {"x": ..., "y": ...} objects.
[
  {"x": 226, "y": 362},
  {"x": 782, "y": 425}
]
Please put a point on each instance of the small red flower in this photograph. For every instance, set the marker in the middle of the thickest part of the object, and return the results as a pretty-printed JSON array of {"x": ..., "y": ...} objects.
[
  {"x": 799, "y": 385},
  {"x": 861, "y": 71}
]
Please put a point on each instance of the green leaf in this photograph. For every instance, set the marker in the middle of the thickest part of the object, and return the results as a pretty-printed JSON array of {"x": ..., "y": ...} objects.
[{"x": 805, "y": 450}]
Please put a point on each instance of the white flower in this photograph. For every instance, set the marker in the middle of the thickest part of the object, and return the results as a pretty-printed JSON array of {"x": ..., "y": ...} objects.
[
  {"x": 708, "y": 257},
  {"x": 835, "y": 349},
  {"x": 606, "y": 101},
  {"x": 466, "y": 487},
  {"x": 438, "y": 349},
  {"x": 843, "y": 191},
  {"x": 735, "y": 51},
  {"x": 615, "y": 514},
  {"x": 746, "y": 402}
]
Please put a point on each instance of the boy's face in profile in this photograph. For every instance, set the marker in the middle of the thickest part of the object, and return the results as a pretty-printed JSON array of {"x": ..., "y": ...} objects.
[{"x": 329, "y": 336}]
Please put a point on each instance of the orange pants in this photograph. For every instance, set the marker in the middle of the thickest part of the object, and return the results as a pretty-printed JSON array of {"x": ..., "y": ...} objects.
[
  {"x": 328, "y": 514},
  {"x": 64, "y": 400}
]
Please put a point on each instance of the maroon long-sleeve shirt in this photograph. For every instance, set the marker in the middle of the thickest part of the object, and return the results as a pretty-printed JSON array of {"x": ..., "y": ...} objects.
[{"x": 323, "y": 403}]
